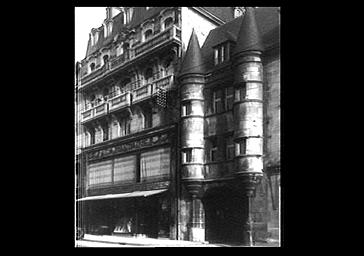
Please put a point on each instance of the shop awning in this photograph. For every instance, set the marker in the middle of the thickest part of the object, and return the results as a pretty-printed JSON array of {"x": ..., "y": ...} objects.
[{"x": 123, "y": 195}]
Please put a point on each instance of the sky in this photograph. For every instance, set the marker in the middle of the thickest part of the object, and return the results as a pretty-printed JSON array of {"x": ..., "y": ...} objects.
[{"x": 86, "y": 18}]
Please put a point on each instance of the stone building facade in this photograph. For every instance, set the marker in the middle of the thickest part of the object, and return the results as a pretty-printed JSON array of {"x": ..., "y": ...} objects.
[{"x": 178, "y": 124}]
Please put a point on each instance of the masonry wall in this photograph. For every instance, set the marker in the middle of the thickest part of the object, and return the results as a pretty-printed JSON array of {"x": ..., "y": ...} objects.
[{"x": 272, "y": 142}]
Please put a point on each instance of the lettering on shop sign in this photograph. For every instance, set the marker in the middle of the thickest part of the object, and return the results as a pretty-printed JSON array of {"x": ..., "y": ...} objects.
[{"x": 138, "y": 144}]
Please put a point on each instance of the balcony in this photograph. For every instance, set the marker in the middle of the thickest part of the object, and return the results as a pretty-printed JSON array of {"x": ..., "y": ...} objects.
[
  {"x": 101, "y": 109},
  {"x": 120, "y": 60},
  {"x": 157, "y": 40},
  {"x": 87, "y": 114},
  {"x": 119, "y": 101},
  {"x": 170, "y": 34},
  {"x": 95, "y": 73},
  {"x": 93, "y": 112},
  {"x": 142, "y": 93},
  {"x": 162, "y": 83}
]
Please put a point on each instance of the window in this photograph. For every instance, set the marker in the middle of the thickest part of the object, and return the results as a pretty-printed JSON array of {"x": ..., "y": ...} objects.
[
  {"x": 229, "y": 98},
  {"x": 106, "y": 59},
  {"x": 221, "y": 53},
  {"x": 92, "y": 66},
  {"x": 187, "y": 155},
  {"x": 155, "y": 164},
  {"x": 186, "y": 108},
  {"x": 242, "y": 147},
  {"x": 148, "y": 75},
  {"x": 109, "y": 28},
  {"x": 96, "y": 37},
  {"x": 148, "y": 34},
  {"x": 213, "y": 150},
  {"x": 168, "y": 22},
  {"x": 217, "y": 101},
  {"x": 229, "y": 148},
  {"x": 241, "y": 92}
]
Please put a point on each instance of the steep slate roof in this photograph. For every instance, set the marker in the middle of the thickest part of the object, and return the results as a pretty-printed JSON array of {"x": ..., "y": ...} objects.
[
  {"x": 248, "y": 36},
  {"x": 141, "y": 14},
  {"x": 192, "y": 61},
  {"x": 268, "y": 26},
  {"x": 224, "y": 13},
  {"x": 101, "y": 42}
]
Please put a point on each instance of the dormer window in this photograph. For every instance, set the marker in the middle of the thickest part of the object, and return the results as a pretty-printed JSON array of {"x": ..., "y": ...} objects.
[
  {"x": 221, "y": 53},
  {"x": 92, "y": 66},
  {"x": 148, "y": 34},
  {"x": 106, "y": 59},
  {"x": 168, "y": 22},
  {"x": 107, "y": 29}
]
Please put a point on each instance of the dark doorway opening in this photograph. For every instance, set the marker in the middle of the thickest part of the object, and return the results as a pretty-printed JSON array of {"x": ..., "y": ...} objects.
[{"x": 224, "y": 216}]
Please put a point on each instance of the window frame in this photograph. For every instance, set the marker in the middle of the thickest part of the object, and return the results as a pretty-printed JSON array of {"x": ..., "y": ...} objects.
[
  {"x": 186, "y": 108},
  {"x": 187, "y": 155},
  {"x": 229, "y": 97}
]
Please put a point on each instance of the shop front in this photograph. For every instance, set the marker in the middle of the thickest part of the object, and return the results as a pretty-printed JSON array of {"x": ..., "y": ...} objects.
[{"x": 139, "y": 213}]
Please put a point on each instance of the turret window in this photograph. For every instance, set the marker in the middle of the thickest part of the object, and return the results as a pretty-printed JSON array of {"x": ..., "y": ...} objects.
[
  {"x": 241, "y": 92},
  {"x": 241, "y": 147},
  {"x": 186, "y": 109},
  {"x": 187, "y": 155}
]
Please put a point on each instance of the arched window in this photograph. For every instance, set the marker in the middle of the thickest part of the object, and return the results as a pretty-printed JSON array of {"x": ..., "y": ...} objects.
[
  {"x": 105, "y": 93},
  {"x": 92, "y": 66},
  {"x": 148, "y": 34},
  {"x": 168, "y": 22},
  {"x": 106, "y": 58},
  {"x": 148, "y": 74}
]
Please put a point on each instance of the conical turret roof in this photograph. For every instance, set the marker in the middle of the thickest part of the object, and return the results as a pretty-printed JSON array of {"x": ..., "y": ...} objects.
[
  {"x": 248, "y": 36},
  {"x": 192, "y": 62}
]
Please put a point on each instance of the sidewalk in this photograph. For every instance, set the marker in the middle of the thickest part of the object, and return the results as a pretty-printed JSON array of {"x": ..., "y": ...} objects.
[{"x": 117, "y": 241}]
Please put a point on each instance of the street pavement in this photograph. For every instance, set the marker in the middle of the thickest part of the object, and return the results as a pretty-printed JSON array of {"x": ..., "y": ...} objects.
[{"x": 135, "y": 242}]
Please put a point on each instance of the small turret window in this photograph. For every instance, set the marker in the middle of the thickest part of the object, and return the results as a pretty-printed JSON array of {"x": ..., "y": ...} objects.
[
  {"x": 186, "y": 109},
  {"x": 241, "y": 147},
  {"x": 187, "y": 155}
]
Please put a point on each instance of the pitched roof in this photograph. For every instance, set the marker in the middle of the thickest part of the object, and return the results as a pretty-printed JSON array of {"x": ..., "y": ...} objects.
[
  {"x": 267, "y": 20},
  {"x": 117, "y": 27},
  {"x": 248, "y": 36},
  {"x": 141, "y": 14},
  {"x": 192, "y": 61},
  {"x": 223, "y": 13}
]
